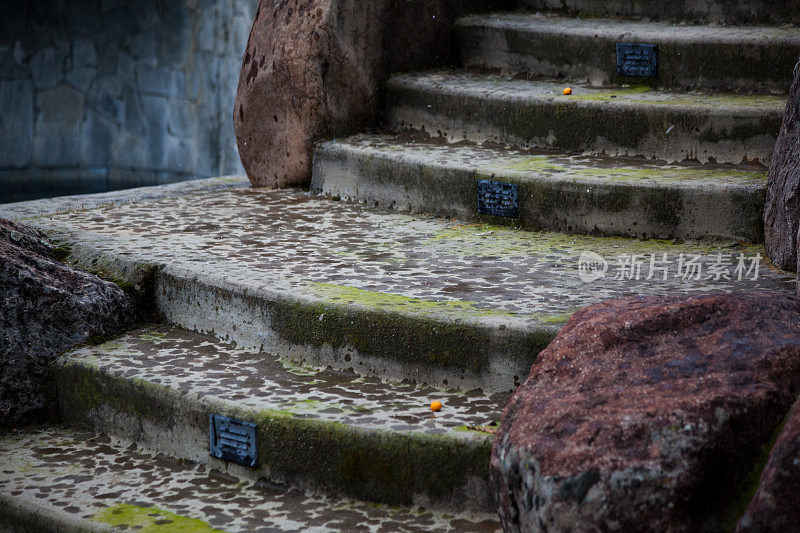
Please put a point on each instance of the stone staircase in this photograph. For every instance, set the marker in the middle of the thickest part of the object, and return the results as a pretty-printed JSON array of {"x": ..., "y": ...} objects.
[{"x": 304, "y": 338}]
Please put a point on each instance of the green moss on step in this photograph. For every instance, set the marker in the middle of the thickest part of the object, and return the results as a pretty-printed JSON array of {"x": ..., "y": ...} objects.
[
  {"x": 399, "y": 303},
  {"x": 488, "y": 240},
  {"x": 543, "y": 163},
  {"x": 62, "y": 252},
  {"x": 391, "y": 468},
  {"x": 690, "y": 99},
  {"x": 149, "y": 519},
  {"x": 555, "y": 318}
]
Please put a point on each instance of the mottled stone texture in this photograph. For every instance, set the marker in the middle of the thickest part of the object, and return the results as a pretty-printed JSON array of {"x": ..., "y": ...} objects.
[
  {"x": 647, "y": 413},
  {"x": 46, "y": 307},
  {"x": 782, "y": 210},
  {"x": 98, "y": 95},
  {"x": 775, "y": 505},
  {"x": 314, "y": 68}
]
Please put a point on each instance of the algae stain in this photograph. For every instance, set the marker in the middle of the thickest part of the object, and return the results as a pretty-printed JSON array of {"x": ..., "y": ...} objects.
[
  {"x": 148, "y": 519},
  {"x": 399, "y": 303},
  {"x": 555, "y": 318},
  {"x": 583, "y": 169},
  {"x": 298, "y": 369},
  {"x": 152, "y": 335},
  {"x": 487, "y": 240},
  {"x": 691, "y": 99}
]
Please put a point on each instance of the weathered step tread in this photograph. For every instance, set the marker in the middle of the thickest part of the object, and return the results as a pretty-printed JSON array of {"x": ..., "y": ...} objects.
[
  {"x": 639, "y": 30},
  {"x": 557, "y": 166},
  {"x": 743, "y": 58},
  {"x": 55, "y": 479},
  {"x": 707, "y": 11},
  {"x": 201, "y": 366},
  {"x": 722, "y": 128},
  {"x": 465, "y": 83},
  {"x": 556, "y": 191},
  {"x": 408, "y": 294},
  {"x": 339, "y": 254}
]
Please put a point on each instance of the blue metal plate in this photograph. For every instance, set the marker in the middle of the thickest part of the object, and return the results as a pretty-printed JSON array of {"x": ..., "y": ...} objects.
[
  {"x": 232, "y": 440},
  {"x": 498, "y": 199},
  {"x": 637, "y": 60}
]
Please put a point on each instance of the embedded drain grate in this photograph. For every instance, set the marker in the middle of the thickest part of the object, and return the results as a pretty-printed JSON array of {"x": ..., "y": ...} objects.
[{"x": 232, "y": 440}]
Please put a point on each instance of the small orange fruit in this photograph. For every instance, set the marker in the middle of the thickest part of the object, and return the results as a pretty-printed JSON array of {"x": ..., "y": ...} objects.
[
  {"x": 567, "y": 90},
  {"x": 436, "y": 406}
]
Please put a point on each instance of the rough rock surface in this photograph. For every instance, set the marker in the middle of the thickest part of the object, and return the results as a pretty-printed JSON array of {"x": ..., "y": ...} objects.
[
  {"x": 647, "y": 413},
  {"x": 775, "y": 507},
  {"x": 46, "y": 307},
  {"x": 314, "y": 68},
  {"x": 782, "y": 210}
]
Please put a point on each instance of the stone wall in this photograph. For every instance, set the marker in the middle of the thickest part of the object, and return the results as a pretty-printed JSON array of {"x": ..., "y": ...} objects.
[{"x": 106, "y": 94}]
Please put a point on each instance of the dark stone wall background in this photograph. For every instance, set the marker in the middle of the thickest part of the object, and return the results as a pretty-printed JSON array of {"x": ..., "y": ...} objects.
[{"x": 105, "y": 94}]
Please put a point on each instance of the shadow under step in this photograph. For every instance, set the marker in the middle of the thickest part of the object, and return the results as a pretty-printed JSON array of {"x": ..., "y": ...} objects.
[{"x": 552, "y": 191}]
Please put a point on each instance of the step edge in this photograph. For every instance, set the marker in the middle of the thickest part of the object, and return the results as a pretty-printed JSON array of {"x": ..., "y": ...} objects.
[
  {"x": 406, "y": 83},
  {"x": 94, "y": 407},
  {"x": 343, "y": 148}
]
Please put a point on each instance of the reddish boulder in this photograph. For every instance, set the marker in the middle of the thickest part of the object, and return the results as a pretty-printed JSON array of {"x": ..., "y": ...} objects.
[
  {"x": 782, "y": 210},
  {"x": 775, "y": 506},
  {"x": 46, "y": 307},
  {"x": 314, "y": 68},
  {"x": 647, "y": 413}
]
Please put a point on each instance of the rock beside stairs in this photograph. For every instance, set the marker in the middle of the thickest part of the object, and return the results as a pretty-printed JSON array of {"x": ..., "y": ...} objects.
[
  {"x": 647, "y": 413},
  {"x": 46, "y": 307},
  {"x": 315, "y": 69},
  {"x": 774, "y": 507},
  {"x": 782, "y": 209}
]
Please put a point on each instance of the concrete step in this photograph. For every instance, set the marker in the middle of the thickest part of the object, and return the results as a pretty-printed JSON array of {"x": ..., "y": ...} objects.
[
  {"x": 332, "y": 432},
  {"x": 668, "y": 126},
  {"x": 744, "y": 58},
  {"x": 388, "y": 294},
  {"x": 704, "y": 11},
  {"x": 556, "y": 191},
  {"x": 57, "y": 479}
]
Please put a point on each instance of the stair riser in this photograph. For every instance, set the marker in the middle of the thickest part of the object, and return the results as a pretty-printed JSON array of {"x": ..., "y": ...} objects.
[
  {"x": 726, "y": 135},
  {"x": 761, "y": 66},
  {"x": 701, "y": 11},
  {"x": 577, "y": 207},
  {"x": 395, "y": 468},
  {"x": 371, "y": 341}
]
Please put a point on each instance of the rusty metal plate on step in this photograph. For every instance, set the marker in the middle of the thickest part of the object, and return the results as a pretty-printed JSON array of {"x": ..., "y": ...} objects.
[
  {"x": 232, "y": 440},
  {"x": 498, "y": 199},
  {"x": 637, "y": 60}
]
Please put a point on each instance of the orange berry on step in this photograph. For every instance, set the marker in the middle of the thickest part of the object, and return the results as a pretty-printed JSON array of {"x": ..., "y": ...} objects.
[
  {"x": 567, "y": 90},
  {"x": 436, "y": 406}
]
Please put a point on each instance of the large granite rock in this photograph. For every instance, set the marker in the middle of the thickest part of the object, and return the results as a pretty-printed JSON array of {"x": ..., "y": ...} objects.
[
  {"x": 46, "y": 307},
  {"x": 647, "y": 413},
  {"x": 775, "y": 505},
  {"x": 314, "y": 68},
  {"x": 782, "y": 210}
]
